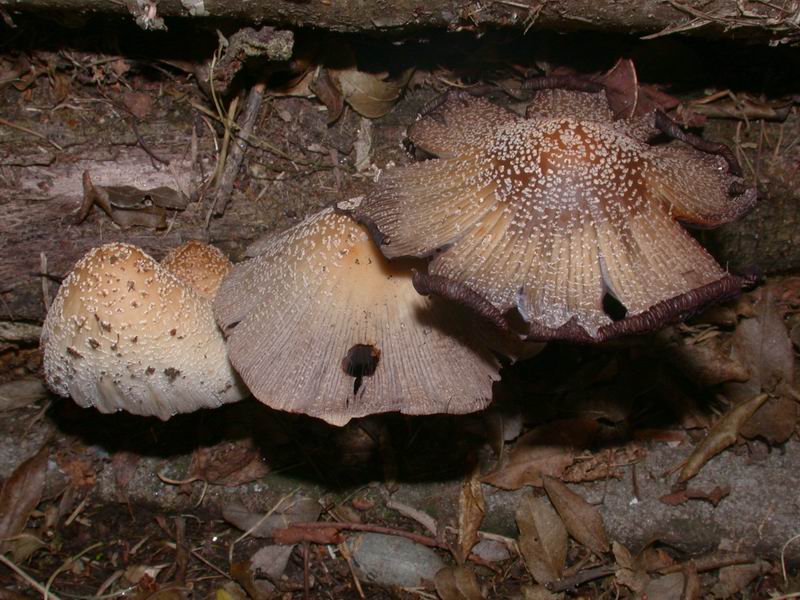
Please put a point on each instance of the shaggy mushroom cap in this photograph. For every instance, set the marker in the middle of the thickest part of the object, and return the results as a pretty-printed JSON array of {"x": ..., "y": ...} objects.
[
  {"x": 321, "y": 323},
  {"x": 567, "y": 216},
  {"x": 198, "y": 265},
  {"x": 125, "y": 334}
]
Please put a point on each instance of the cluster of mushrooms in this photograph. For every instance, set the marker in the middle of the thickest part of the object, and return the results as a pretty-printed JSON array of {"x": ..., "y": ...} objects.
[{"x": 562, "y": 225}]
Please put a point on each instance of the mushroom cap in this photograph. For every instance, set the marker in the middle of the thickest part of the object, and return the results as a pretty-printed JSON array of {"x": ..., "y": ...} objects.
[
  {"x": 321, "y": 323},
  {"x": 559, "y": 214},
  {"x": 125, "y": 334},
  {"x": 198, "y": 265}
]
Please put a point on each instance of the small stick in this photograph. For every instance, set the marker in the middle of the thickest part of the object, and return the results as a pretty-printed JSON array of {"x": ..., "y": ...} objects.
[
  {"x": 29, "y": 132},
  {"x": 28, "y": 579},
  {"x": 306, "y": 586},
  {"x": 234, "y": 160},
  {"x": 349, "y": 560},
  {"x": 580, "y": 578},
  {"x": 45, "y": 281},
  {"x": 414, "y": 537}
]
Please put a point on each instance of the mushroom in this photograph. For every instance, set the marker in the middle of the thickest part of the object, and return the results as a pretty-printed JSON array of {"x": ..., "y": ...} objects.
[
  {"x": 198, "y": 265},
  {"x": 320, "y": 323},
  {"x": 567, "y": 217},
  {"x": 123, "y": 333}
]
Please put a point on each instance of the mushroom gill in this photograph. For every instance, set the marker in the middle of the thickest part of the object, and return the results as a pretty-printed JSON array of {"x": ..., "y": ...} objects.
[
  {"x": 567, "y": 216},
  {"x": 123, "y": 333},
  {"x": 320, "y": 323}
]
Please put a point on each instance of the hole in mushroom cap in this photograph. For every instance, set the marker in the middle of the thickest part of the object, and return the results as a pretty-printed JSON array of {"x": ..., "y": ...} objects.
[
  {"x": 615, "y": 309},
  {"x": 361, "y": 361}
]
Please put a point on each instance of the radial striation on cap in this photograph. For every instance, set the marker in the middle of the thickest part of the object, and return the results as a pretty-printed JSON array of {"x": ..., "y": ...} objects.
[
  {"x": 321, "y": 323},
  {"x": 568, "y": 217},
  {"x": 123, "y": 333}
]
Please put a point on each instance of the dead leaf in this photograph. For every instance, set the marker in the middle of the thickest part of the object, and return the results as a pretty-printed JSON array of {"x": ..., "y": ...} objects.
[
  {"x": 298, "y": 510},
  {"x": 371, "y": 95},
  {"x": 691, "y": 588},
  {"x": 764, "y": 345},
  {"x": 629, "y": 572},
  {"x": 20, "y": 495},
  {"x": 582, "y": 520},
  {"x": 139, "y": 103},
  {"x": 228, "y": 463},
  {"x": 539, "y": 592},
  {"x": 545, "y": 450},
  {"x": 326, "y": 89},
  {"x": 666, "y": 587},
  {"x": 682, "y": 496},
  {"x": 22, "y": 392},
  {"x": 706, "y": 363},
  {"x": 471, "y": 508},
  {"x": 720, "y": 436},
  {"x": 543, "y": 539},
  {"x": 458, "y": 583},
  {"x": 124, "y": 464},
  {"x": 735, "y": 578}
]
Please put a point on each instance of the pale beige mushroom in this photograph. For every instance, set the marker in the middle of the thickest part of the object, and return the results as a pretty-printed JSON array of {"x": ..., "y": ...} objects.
[
  {"x": 199, "y": 265},
  {"x": 321, "y": 323},
  {"x": 125, "y": 334}
]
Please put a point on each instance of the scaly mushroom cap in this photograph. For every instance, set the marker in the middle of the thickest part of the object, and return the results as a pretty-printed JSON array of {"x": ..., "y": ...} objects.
[
  {"x": 125, "y": 334},
  {"x": 198, "y": 265},
  {"x": 557, "y": 213},
  {"x": 321, "y": 323}
]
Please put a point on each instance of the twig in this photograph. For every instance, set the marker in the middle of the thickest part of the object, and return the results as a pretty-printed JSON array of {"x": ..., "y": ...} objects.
[
  {"x": 414, "y": 537},
  {"x": 146, "y": 148},
  {"x": 29, "y": 132},
  {"x": 580, "y": 578},
  {"x": 258, "y": 523},
  {"x": 306, "y": 586},
  {"x": 234, "y": 160},
  {"x": 28, "y": 579},
  {"x": 45, "y": 281},
  {"x": 64, "y": 566},
  {"x": 349, "y": 560},
  {"x": 783, "y": 556}
]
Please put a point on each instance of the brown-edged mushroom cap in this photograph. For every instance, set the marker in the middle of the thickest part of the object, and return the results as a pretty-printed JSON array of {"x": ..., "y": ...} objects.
[
  {"x": 321, "y": 323},
  {"x": 123, "y": 333},
  {"x": 199, "y": 265},
  {"x": 559, "y": 215}
]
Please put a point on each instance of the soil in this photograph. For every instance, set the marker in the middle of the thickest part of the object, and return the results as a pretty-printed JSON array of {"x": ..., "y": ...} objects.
[{"x": 133, "y": 496}]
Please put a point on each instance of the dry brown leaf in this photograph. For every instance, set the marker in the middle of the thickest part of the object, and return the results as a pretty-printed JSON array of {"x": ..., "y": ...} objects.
[
  {"x": 543, "y": 539},
  {"x": 691, "y": 588},
  {"x": 583, "y": 521},
  {"x": 629, "y": 572},
  {"x": 735, "y": 578},
  {"x": 539, "y": 592},
  {"x": 682, "y": 496},
  {"x": 328, "y": 92},
  {"x": 764, "y": 345},
  {"x": 228, "y": 463},
  {"x": 720, "y": 436},
  {"x": 545, "y": 450},
  {"x": 458, "y": 583},
  {"x": 471, "y": 509},
  {"x": 371, "y": 95},
  {"x": 139, "y": 103},
  {"x": 299, "y": 510},
  {"x": 20, "y": 495},
  {"x": 706, "y": 363},
  {"x": 666, "y": 587}
]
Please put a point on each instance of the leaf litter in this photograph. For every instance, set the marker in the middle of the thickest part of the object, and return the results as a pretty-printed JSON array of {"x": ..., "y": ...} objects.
[{"x": 590, "y": 417}]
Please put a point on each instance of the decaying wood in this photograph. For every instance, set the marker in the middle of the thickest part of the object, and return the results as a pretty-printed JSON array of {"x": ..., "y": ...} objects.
[{"x": 750, "y": 19}]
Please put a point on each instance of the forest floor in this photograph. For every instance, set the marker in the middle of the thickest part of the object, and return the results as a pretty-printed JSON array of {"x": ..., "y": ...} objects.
[{"x": 665, "y": 466}]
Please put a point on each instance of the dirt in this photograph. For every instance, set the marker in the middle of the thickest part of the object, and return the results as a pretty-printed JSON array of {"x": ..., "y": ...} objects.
[{"x": 121, "y": 489}]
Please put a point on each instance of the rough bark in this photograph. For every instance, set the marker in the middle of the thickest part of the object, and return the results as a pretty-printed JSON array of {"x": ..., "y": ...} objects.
[{"x": 750, "y": 19}]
